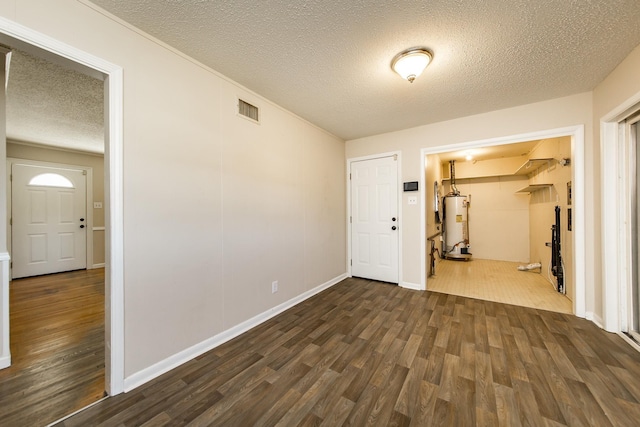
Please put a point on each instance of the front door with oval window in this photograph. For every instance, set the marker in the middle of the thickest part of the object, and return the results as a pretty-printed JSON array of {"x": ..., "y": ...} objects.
[{"x": 48, "y": 215}]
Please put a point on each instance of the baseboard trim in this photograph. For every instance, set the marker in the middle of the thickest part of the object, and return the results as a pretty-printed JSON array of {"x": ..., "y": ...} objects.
[
  {"x": 66, "y": 417},
  {"x": 5, "y": 347},
  {"x": 98, "y": 265},
  {"x": 414, "y": 286},
  {"x": 5, "y": 361},
  {"x": 629, "y": 341},
  {"x": 157, "y": 369},
  {"x": 590, "y": 315}
]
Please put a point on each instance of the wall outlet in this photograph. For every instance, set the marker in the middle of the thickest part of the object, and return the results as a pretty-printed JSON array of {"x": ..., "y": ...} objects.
[{"x": 274, "y": 287}]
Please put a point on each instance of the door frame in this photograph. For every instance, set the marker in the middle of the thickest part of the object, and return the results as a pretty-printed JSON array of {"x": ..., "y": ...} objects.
[
  {"x": 27, "y": 39},
  {"x": 578, "y": 200},
  {"x": 630, "y": 183},
  {"x": 399, "y": 201},
  {"x": 88, "y": 202},
  {"x": 615, "y": 236}
]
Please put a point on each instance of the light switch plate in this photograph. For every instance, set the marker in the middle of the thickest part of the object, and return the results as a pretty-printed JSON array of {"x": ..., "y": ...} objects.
[
  {"x": 97, "y": 205},
  {"x": 412, "y": 200}
]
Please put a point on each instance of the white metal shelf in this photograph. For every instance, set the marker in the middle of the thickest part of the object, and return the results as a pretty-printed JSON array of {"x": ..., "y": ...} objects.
[
  {"x": 531, "y": 165},
  {"x": 533, "y": 187}
]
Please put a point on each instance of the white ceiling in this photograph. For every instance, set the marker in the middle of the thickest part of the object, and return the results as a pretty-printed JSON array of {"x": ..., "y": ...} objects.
[
  {"x": 328, "y": 60},
  {"x": 491, "y": 152},
  {"x": 49, "y": 104}
]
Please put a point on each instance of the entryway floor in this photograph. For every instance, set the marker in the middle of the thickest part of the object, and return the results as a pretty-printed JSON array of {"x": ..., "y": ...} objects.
[
  {"x": 57, "y": 347},
  {"x": 498, "y": 281}
]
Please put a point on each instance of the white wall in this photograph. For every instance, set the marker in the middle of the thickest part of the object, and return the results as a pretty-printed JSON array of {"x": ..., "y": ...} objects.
[
  {"x": 552, "y": 114},
  {"x": 215, "y": 207}
]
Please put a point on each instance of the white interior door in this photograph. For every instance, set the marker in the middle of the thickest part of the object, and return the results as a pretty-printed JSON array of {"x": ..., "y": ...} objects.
[
  {"x": 374, "y": 219},
  {"x": 48, "y": 215}
]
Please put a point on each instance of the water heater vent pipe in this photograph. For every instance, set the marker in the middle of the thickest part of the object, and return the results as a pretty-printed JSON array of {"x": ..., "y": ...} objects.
[{"x": 454, "y": 189}]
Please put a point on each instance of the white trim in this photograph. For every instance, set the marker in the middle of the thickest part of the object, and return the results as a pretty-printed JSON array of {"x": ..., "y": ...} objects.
[
  {"x": 98, "y": 264},
  {"x": 66, "y": 417},
  {"x": 400, "y": 217},
  {"x": 88, "y": 195},
  {"x": 423, "y": 220},
  {"x": 579, "y": 223},
  {"x": 578, "y": 189},
  {"x": 114, "y": 274},
  {"x": 5, "y": 348},
  {"x": 629, "y": 341},
  {"x": 398, "y": 155},
  {"x": 614, "y": 209},
  {"x": 185, "y": 355},
  {"x": 414, "y": 286},
  {"x": 54, "y": 148},
  {"x": 611, "y": 225},
  {"x": 590, "y": 315},
  {"x": 114, "y": 278}
]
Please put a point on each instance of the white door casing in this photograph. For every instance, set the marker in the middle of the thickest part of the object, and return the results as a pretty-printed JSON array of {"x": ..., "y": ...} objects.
[
  {"x": 49, "y": 222},
  {"x": 375, "y": 224},
  {"x": 11, "y": 31},
  {"x": 578, "y": 191}
]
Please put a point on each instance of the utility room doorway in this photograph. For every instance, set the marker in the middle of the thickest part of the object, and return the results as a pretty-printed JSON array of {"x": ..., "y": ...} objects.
[{"x": 518, "y": 215}]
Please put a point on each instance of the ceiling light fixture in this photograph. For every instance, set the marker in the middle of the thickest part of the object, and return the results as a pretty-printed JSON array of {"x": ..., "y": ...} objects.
[{"x": 410, "y": 63}]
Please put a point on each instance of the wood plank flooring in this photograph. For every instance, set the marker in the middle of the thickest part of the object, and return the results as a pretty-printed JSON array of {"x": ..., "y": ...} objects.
[
  {"x": 368, "y": 353},
  {"x": 57, "y": 347},
  {"x": 498, "y": 281}
]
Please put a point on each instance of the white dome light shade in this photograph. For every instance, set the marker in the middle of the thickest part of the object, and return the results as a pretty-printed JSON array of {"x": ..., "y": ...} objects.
[{"x": 411, "y": 63}]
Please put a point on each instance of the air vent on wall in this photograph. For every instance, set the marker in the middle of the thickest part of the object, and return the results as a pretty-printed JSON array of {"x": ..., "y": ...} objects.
[{"x": 247, "y": 110}]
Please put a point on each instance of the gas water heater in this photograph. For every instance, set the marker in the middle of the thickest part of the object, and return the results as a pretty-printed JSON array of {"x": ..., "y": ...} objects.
[{"x": 456, "y": 224}]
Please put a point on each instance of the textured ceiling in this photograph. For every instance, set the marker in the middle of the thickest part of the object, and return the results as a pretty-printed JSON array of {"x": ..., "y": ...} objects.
[
  {"x": 328, "y": 60},
  {"x": 49, "y": 104},
  {"x": 491, "y": 152}
]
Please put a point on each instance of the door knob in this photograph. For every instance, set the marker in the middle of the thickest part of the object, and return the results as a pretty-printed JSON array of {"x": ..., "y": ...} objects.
[
  {"x": 393, "y": 219},
  {"x": 81, "y": 219},
  {"x": 394, "y": 227},
  {"x": 81, "y": 225}
]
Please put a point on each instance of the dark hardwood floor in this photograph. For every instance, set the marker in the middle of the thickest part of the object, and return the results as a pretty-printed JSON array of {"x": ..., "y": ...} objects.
[
  {"x": 57, "y": 347},
  {"x": 370, "y": 353}
]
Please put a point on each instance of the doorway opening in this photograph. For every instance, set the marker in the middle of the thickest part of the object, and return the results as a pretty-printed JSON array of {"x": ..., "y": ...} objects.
[
  {"x": 632, "y": 125},
  {"x": 518, "y": 190},
  {"x": 55, "y": 140},
  {"x": 41, "y": 46},
  {"x": 629, "y": 215},
  {"x": 620, "y": 227}
]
